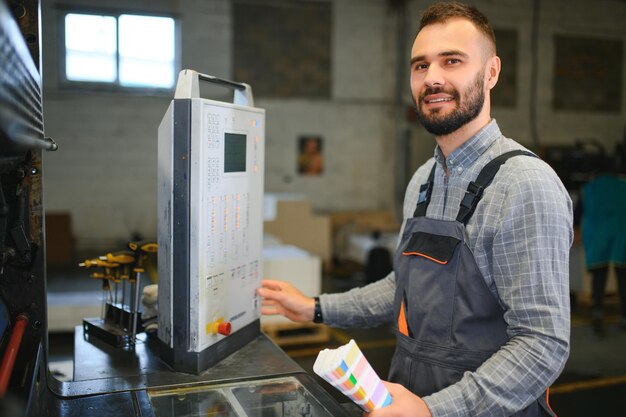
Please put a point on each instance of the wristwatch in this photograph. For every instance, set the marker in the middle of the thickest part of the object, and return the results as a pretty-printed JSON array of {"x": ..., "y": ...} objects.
[{"x": 317, "y": 312}]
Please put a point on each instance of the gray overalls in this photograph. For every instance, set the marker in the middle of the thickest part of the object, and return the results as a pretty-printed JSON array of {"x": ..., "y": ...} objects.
[{"x": 448, "y": 321}]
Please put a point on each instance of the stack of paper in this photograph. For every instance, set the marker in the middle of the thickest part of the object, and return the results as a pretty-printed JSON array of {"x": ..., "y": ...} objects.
[{"x": 347, "y": 370}]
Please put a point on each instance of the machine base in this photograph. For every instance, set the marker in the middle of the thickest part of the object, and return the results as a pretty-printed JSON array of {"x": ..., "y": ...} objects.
[{"x": 197, "y": 362}]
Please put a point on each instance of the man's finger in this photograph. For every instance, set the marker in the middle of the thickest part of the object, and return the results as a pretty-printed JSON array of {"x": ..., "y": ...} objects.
[
  {"x": 268, "y": 303},
  {"x": 270, "y": 311},
  {"x": 271, "y": 294},
  {"x": 271, "y": 284}
]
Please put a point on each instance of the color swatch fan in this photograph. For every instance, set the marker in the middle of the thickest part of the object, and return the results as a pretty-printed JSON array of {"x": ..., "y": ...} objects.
[{"x": 346, "y": 369}]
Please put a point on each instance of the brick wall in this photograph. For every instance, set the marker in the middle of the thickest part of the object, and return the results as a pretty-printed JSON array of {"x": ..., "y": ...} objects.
[{"x": 104, "y": 173}]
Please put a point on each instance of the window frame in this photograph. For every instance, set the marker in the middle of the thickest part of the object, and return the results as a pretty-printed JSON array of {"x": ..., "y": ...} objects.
[{"x": 115, "y": 86}]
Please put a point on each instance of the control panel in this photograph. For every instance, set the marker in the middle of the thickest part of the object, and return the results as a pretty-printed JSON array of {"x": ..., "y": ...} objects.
[
  {"x": 226, "y": 202},
  {"x": 211, "y": 165}
]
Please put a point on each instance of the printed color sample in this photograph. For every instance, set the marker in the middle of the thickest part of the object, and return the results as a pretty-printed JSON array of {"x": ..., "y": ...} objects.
[{"x": 346, "y": 369}]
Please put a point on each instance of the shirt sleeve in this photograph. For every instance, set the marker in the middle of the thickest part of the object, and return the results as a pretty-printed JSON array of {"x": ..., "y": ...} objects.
[
  {"x": 531, "y": 277},
  {"x": 372, "y": 305},
  {"x": 368, "y": 306}
]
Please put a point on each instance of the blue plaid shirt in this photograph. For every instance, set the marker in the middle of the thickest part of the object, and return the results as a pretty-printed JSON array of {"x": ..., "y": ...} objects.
[{"x": 520, "y": 235}]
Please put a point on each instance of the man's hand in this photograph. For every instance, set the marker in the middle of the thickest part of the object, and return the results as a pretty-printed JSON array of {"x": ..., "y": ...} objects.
[
  {"x": 404, "y": 404},
  {"x": 282, "y": 298}
]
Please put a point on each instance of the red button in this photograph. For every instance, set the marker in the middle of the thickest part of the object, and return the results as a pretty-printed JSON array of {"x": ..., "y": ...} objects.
[{"x": 224, "y": 328}]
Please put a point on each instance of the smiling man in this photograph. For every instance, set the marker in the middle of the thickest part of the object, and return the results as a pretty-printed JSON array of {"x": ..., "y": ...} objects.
[
  {"x": 453, "y": 67},
  {"x": 480, "y": 290}
]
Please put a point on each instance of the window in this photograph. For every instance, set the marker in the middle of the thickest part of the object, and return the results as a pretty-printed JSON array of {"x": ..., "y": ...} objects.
[{"x": 120, "y": 50}]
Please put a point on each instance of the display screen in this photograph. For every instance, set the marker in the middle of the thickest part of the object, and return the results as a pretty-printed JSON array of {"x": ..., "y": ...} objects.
[{"x": 234, "y": 152}]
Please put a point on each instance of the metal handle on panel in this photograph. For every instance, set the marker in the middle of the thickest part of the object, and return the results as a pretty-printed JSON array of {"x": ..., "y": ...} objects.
[{"x": 188, "y": 86}]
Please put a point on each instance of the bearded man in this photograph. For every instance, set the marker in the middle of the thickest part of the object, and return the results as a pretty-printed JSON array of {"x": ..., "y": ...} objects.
[{"x": 480, "y": 288}]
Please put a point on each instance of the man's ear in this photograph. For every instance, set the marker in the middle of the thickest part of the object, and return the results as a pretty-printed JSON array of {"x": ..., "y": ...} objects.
[{"x": 492, "y": 72}]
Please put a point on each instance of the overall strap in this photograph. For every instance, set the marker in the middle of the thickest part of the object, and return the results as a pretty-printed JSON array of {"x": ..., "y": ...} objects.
[
  {"x": 424, "y": 196},
  {"x": 475, "y": 188}
]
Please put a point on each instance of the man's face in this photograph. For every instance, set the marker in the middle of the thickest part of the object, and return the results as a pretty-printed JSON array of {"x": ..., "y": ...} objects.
[
  {"x": 448, "y": 75},
  {"x": 468, "y": 105}
]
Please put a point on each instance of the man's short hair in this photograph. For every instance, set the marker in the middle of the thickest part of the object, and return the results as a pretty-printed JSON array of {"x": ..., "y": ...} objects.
[{"x": 442, "y": 12}]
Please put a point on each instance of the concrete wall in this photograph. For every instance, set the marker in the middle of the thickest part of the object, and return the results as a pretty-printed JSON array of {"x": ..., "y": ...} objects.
[
  {"x": 104, "y": 173},
  {"x": 603, "y": 19}
]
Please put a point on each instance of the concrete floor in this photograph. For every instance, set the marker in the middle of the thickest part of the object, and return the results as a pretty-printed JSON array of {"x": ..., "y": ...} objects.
[{"x": 593, "y": 382}]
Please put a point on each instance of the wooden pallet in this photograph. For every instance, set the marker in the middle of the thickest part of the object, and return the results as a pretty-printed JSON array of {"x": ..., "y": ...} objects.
[{"x": 289, "y": 334}]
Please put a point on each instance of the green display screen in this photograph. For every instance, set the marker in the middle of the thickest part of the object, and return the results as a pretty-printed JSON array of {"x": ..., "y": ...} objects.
[{"x": 234, "y": 152}]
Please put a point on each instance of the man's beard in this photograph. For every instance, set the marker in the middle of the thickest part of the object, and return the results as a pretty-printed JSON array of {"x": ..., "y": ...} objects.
[{"x": 465, "y": 112}]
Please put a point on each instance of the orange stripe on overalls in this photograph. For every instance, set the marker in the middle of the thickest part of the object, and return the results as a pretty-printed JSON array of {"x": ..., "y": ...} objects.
[
  {"x": 403, "y": 327},
  {"x": 425, "y": 256},
  {"x": 548, "y": 400}
]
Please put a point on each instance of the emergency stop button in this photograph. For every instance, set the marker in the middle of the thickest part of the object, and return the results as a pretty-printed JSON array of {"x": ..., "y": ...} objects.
[{"x": 224, "y": 328}]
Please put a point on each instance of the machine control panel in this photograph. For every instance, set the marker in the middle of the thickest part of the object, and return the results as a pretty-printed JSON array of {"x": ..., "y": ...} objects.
[
  {"x": 226, "y": 203},
  {"x": 211, "y": 165}
]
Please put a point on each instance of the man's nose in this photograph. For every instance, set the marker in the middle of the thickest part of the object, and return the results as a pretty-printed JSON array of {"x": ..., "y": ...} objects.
[{"x": 434, "y": 76}]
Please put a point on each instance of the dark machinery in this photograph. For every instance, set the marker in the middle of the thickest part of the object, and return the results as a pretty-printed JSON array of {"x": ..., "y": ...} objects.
[{"x": 23, "y": 336}]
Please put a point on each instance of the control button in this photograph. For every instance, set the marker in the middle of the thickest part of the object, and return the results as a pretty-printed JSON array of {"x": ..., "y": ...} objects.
[{"x": 224, "y": 328}]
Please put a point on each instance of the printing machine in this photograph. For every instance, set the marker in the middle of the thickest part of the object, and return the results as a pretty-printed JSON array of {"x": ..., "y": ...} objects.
[{"x": 209, "y": 356}]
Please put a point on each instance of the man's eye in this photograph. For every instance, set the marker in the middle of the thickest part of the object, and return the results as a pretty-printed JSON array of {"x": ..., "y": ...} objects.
[
  {"x": 452, "y": 61},
  {"x": 421, "y": 67}
]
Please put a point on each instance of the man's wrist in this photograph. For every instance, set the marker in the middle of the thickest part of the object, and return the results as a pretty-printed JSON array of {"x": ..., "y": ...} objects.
[{"x": 317, "y": 311}]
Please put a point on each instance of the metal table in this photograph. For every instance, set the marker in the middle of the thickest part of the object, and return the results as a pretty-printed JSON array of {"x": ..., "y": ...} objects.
[{"x": 257, "y": 380}]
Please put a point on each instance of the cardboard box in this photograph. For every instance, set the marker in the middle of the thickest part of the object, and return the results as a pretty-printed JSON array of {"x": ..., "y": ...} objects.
[
  {"x": 296, "y": 224},
  {"x": 60, "y": 240}
]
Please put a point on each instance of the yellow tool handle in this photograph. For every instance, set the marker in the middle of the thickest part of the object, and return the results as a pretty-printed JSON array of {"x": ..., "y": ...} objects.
[
  {"x": 149, "y": 246},
  {"x": 99, "y": 263},
  {"x": 121, "y": 257}
]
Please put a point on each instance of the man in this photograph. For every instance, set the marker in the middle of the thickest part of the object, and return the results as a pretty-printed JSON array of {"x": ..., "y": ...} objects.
[{"x": 479, "y": 291}]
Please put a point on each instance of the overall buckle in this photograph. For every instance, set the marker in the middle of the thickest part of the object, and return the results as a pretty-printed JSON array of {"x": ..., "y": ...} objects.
[{"x": 472, "y": 195}]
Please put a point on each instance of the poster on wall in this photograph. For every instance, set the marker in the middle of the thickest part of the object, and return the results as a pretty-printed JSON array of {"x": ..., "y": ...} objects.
[{"x": 310, "y": 155}]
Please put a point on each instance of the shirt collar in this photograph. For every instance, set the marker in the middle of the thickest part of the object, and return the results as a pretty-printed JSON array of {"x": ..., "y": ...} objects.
[{"x": 466, "y": 154}]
